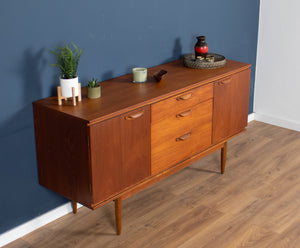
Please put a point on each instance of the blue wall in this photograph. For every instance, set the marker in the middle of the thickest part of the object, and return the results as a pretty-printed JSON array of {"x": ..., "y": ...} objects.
[{"x": 116, "y": 35}]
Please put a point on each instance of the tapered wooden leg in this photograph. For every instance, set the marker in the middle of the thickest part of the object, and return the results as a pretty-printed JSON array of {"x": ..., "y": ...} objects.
[
  {"x": 223, "y": 157},
  {"x": 79, "y": 92},
  {"x": 73, "y": 96},
  {"x": 59, "y": 95},
  {"x": 118, "y": 212},
  {"x": 74, "y": 206}
]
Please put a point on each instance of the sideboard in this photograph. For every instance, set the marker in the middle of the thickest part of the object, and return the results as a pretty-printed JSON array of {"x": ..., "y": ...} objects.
[{"x": 135, "y": 135}]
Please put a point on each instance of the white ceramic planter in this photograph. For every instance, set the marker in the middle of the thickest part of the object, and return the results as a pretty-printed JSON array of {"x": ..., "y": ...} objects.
[{"x": 66, "y": 86}]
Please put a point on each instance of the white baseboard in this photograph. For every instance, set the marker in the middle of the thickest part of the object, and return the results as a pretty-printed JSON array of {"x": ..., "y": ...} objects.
[
  {"x": 251, "y": 117},
  {"x": 58, "y": 212},
  {"x": 277, "y": 121},
  {"x": 35, "y": 223}
]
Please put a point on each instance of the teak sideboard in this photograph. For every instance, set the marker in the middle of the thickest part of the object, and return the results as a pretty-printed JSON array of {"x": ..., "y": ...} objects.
[{"x": 112, "y": 147}]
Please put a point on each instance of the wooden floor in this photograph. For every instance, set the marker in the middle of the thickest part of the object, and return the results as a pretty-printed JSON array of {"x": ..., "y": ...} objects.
[{"x": 256, "y": 203}]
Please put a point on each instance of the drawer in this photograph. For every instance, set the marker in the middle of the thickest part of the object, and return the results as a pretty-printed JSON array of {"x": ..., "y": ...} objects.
[
  {"x": 174, "y": 140},
  {"x": 180, "y": 102},
  {"x": 181, "y": 121}
]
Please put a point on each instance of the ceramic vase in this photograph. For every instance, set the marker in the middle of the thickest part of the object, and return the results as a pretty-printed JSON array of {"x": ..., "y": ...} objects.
[
  {"x": 201, "y": 47},
  {"x": 94, "y": 92}
]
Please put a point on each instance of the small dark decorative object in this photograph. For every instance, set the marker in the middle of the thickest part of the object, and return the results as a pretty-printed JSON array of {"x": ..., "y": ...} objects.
[
  {"x": 158, "y": 76},
  {"x": 201, "y": 48},
  {"x": 210, "y": 58}
]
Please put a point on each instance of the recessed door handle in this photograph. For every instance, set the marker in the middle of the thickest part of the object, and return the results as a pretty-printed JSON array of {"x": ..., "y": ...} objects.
[
  {"x": 184, "y": 137},
  {"x": 225, "y": 81},
  {"x": 184, "y": 114},
  {"x": 184, "y": 97},
  {"x": 134, "y": 116}
]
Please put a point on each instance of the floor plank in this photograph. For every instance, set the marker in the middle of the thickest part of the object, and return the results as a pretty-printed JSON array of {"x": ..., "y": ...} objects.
[{"x": 256, "y": 203}]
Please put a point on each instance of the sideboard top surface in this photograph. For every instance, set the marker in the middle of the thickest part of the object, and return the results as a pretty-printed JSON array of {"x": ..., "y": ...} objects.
[{"x": 120, "y": 95}]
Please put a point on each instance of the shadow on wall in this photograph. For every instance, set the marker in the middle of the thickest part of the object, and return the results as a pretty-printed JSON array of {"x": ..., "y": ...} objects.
[
  {"x": 18, "y": 175},
  {"x": 177, "y": 51},
  {"x": 107, "y": 75},
  {"x": 31, "y": 69}
]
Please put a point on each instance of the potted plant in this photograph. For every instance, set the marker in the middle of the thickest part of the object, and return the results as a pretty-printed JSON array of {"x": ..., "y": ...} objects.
[
  {"x": 67, "y": 62},
  {"x": 93, "y": 89}
]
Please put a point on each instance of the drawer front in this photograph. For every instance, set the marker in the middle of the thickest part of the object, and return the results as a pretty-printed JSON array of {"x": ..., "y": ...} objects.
[
  {"x": 175, "y": 139},
  {"x": 180, "y": 122},
  {"x": 180, "y": 102}
]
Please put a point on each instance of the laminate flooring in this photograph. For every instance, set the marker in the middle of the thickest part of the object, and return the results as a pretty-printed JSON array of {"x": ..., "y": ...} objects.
[{"x": 256, "y": 203}]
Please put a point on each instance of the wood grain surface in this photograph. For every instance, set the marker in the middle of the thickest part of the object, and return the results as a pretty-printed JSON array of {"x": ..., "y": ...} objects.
[
  {"x": 174, "y": 139},
  {"x": 119, "y": 95},
  {"x": 120, "y": 153},
  {"x": 256, "y": 203},
  {"x": 231, "y": 101},
  {"x": 180, "y": 102},
  {"x": 62, "y": 153}
]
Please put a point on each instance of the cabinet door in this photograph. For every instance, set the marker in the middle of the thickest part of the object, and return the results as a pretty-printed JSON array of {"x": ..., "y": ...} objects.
[
  {"x": 135, "y": 133},
  {"x": 106, "y": 160},
  {"x": 120, "y": 153},
  {"x": 231, "y": 101}
]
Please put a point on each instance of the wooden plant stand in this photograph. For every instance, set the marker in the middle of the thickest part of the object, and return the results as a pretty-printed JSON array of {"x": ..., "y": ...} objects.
[{"x": 60, "y": 97}]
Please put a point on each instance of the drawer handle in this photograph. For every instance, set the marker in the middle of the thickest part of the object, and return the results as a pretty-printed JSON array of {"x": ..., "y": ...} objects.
[
  {"x": 184, "y": 137},
  {"x": 184, "y": 114},
  {"x": 225, "y": 81},
  {"x": 134, "y": 116},
  {"x": 184, "y": 97}
]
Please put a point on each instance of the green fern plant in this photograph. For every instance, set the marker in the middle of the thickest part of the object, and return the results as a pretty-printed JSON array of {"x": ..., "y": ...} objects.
[
  {"x": 93, "y": 83},
  {"x": 67, "y": 60}
]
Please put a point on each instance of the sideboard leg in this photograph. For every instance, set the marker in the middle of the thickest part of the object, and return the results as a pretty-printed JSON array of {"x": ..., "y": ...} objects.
[
  {"x": 118, "y": 212},
  {"x": 223, "y": 157},
  {"x": 74, "y": 206}
]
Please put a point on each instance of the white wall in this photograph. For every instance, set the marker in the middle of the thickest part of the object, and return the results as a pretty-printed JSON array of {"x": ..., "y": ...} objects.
[{"x": 277, "y": 84}]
